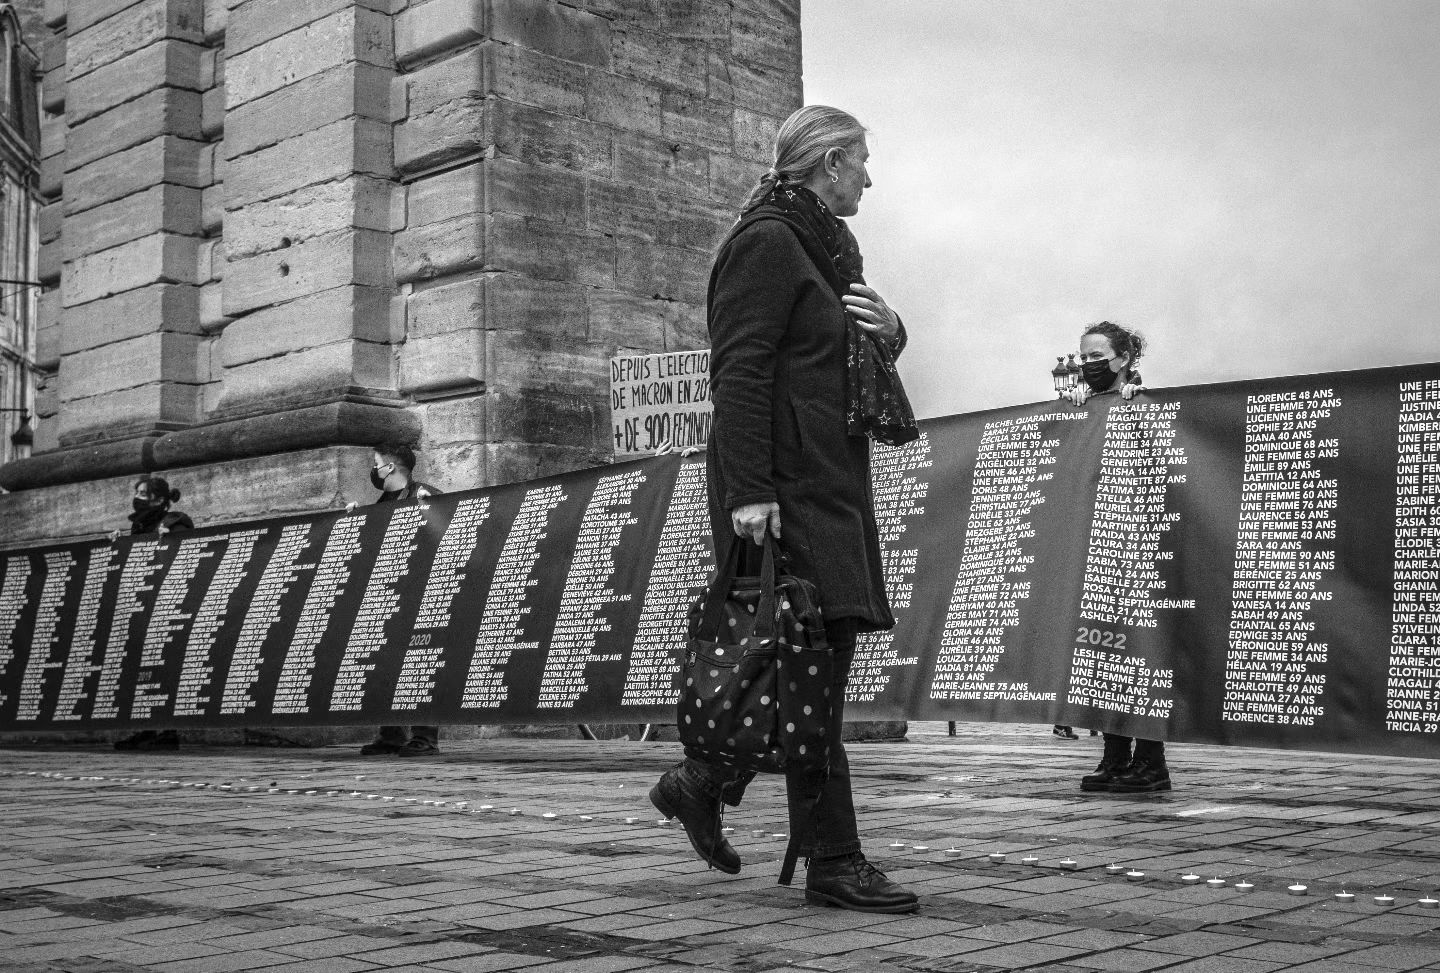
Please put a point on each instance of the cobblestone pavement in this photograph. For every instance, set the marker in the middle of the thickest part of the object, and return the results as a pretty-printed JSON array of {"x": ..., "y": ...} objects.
[{"x": 546, "y": 856}]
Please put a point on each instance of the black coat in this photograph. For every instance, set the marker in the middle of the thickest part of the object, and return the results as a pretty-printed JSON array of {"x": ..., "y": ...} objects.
[{"x": 777, "y": 381}]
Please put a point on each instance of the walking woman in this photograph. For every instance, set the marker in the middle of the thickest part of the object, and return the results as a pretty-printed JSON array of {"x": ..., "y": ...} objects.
[
  {"x": 1108, "y": 356},
  {"x": 802, "y": 378}
]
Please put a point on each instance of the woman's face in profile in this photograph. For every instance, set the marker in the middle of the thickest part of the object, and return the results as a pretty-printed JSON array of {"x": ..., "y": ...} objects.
[
  {"x": 854, "y": 179},
  {"x": 1096, "y": 348}
]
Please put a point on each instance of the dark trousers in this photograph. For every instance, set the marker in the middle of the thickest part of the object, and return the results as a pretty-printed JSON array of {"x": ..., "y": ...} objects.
[
  {"x": 1151, "y": 751},
  {"x": 835, "y": 830},
  {"x": 400, "y": 735}
]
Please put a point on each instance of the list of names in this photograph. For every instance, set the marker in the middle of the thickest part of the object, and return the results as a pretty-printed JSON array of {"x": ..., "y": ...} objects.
[
  {"x": 589, "y": 593},
  {"x": 681, "y": 561},
  {"x": 43, "y": 644},
  {"x": 80, "y": 662},
  {"x": 197, "y": 667},
  {"x": 901, "y": 487},
  {"x": 292, "y": 692},
  {"x": 995, "y": 558},
  {"x": 1412, "y": 685},
  {"x": 262, "y": 615},
  {"x": 501, "y": 633},
  {"x": 1284, "y": 552},
  {"x": 135, "y": 580}
]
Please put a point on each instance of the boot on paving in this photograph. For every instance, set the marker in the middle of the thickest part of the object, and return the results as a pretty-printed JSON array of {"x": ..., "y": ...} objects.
[
  {"x": 851, "y": 882},
  {"x": 699, "y": 814}
]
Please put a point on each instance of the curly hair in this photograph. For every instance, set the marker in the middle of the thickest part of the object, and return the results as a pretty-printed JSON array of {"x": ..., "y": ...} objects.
[{"x": 1124, "y": 341}]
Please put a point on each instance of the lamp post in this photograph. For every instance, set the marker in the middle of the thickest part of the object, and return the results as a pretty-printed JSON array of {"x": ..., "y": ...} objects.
[
  {"x": 1065, "y": 375},
  {"x": 23, "y": 437}
]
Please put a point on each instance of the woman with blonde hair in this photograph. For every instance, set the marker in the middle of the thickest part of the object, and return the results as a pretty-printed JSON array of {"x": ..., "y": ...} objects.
[{"x": 802, "y": 378}]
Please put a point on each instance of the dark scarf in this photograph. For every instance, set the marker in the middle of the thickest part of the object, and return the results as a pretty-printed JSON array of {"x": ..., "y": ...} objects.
[
  {"x": 875, "y": 401},
  {"x": 147, "y": 520}
]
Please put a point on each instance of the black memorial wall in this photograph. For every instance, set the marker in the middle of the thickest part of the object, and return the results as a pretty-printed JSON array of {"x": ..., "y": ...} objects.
[{"x": 1249, "y": 563}]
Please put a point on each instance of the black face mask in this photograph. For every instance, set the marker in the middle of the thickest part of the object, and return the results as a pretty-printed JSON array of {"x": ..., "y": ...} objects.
[
  {"x": 140, "y": 505},
  {"x": 1097, "y": 375},
  {"x": 377, "y": 480}
]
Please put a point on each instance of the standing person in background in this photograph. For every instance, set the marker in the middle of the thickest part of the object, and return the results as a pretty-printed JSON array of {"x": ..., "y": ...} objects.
[
  {"x": 151, "y": 514},
  {"x": 392, "y": 472},
  {"x": 1108, "y": 356},
  {"x": 802, "y": 377}
]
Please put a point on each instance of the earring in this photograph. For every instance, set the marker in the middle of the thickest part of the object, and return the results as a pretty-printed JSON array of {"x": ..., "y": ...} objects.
[{"x": 834, "y": 177}]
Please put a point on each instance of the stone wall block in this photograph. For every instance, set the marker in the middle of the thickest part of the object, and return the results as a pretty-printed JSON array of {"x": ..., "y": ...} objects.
[
  {"x": 168, "y": 159},
  {"x": 437, "y": 249},
  {"x": 498, "y": 301},
  {"x": 427, "y": 29},
  {"x": 542, "y": 138},
  {"x": 212, "y": 113},
  {"x": 212, "y": 312},
  {"x": 361, "y": 203},
  {"x": 47, "y": 398},
  {"x": 212, "y": 209},
  {"x": 525, "y": 360},
  {"x": 443, "y": 364},
  {"x": 449, "y": 422},
  {"x": 517, "y": 462},
  {"x": 52, "y": 52},
  {"x": 656, "y": 164},
  {"x": 318, "y": 264},
  {"x": 158, "y": 258},
  {"x": 52, "y": 134},
  {"x": 50, "y": 222},
  {"x": 681, "y": 221},
  {"x": 217, "y": 20},
  {"x": 337, "y": 151},
  {"x": 325, "y": 318},
  {"x": 687, "y": 328},
  {"x": 47, "y": 332},
  {"x": 128, "y": 412},
  {"x": 84, "y": 13},
  {"x": 52, "y": 176},
  {"x": 550, "y": 251},
  {"x": 695, "y": 120},
  {"x": 625, "y": 103},
  {"x": 163, "y": 208},
  {"x": 549, "y": 28},
  {"x": 658, "y": 270},
  {"x": 163, "y": 357},
  {"x": 547, "y": 416},
  {"x": 550, "y": 194},
  {"x": 445, "y": 114},
  {"x": 255, "y": 22},
  {"x": 351, "y": 34},
  {"x": 651, "y": 55},
  {"x": 173, "y": 64},
  {"x": 732, "y": 179},
  {"x": 52, "y": 91},
  {"x": 626, "y": 321},
  {"x": 756, "y": 87},
  {"x": 759, "y": 37},
  {"x": 755, "y": 135},
  {"x": 308, "y": 105},
  {"x": 51, "y": 262},
  {"x": 307, "y": 377},
  {"x": 131, "y": 29},
  {"x": 164, "y": 111},
  {"x": 55, "y": 12},
  {"x": 535, "y": 79},
  {"x": 146, "y": 310}
]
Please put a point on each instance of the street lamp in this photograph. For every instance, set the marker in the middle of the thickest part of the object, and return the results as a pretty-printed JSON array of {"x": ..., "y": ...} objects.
[
  {"x": 24, "y": 436},
  {"x": 1065, "y": 375}
]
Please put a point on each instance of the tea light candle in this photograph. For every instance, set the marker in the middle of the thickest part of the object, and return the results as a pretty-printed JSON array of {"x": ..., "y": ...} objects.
[
  {"x": 1029, "y": 860},
  {"x": 1244, "y": 886},
  {"x": 1114, "y": 869},
  {"x": 1297, "y": 890},
  {"x": 1384, "y": 901},
  {"x": 587, "y": 817},
  {"x": 997, "y": 856},
  {"x": 725, "y": 830},
  {"x": 1134, "y": 875},
  {"x": 627, "y": 820},
  {"x": 897, "y": 845},
  {"x": 919, "y": 848},
  {"x": 551, "y": 816},
  {"x": 953, "y": 852},
  {"x": 1428, "y": 903},
  {"x": 1190, "y": 878},
  {"x": 1215, "y": 883},
  {"x": 1345, "y": 897},
  {"x": 1069, "y": 863}
]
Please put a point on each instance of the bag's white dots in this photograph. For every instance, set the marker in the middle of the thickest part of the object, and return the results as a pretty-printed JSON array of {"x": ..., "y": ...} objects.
[
  {"x": 711, "y": 724},
  {"x": 728, "y": 704},
  {"x": 813, "y": 671},
  {"x": 715, "y": 673},
  {"x": 784, "y": 606},
  {"x": 749, "y": 721},
  {"x": 764, "y": 700},
  {"x": 744, "y": 683},
  {"x": 789, "y": 727},
  {"x": 807, "y": 710},
  {"x": 802, "y": 749},
  {"x": 697, "y": 704}
]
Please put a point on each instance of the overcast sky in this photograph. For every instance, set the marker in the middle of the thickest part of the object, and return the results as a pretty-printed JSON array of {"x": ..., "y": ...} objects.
[{"x": 1255, "y": 185}]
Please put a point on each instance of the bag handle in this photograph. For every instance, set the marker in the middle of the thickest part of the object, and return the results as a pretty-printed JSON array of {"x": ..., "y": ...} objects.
[{"x": 728, "y": 566}]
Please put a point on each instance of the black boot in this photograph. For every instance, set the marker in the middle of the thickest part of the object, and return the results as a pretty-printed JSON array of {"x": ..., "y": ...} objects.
[
  {"x": 700, "y": 816},
  {"x": 851, "y": 882},
  {"x": 1142, "y": 776},
  {"x": 1112, "y": 765}
]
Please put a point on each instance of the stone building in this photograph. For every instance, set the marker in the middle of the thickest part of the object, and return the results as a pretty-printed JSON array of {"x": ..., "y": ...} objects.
[
  {"x": 19, "y": 210},
  {"x": 276, "y": 232}
]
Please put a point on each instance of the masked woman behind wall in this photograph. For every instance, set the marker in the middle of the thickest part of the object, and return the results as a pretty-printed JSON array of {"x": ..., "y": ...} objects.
[
  {"x": 151, "y": 514},
  {"x": 802, "y": 378},
  {"x": 1109, "y": 354}
]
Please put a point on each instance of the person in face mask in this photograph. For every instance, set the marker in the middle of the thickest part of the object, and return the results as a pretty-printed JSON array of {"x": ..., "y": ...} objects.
[
  {"x": 1108, "y": 356},
  {"x": 151, "y": 514},
  {"x": 392, "y": 473}
]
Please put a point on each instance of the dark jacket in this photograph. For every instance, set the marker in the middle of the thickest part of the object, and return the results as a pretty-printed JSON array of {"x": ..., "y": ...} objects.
[
  {"x": 777, "y": 381},
  {"x": 408, "y": 493},
  {"x": 152, "y": 520}
]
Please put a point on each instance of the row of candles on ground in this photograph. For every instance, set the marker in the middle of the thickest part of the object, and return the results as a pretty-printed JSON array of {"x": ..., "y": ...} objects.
[{"x": 1189, "y": 878}]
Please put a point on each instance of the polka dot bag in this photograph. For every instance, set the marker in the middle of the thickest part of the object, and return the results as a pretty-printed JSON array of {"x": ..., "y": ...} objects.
[{"x": 757, "y": 673}]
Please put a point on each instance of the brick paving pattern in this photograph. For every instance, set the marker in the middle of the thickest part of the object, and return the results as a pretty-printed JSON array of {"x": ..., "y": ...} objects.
[{"x": 546, "y": 856}]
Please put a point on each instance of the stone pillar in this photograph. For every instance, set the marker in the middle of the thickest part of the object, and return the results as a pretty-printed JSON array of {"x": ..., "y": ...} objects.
[{"x": 285, "y": 229}]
